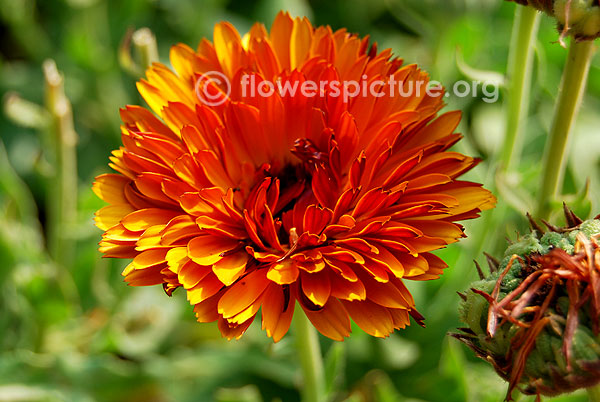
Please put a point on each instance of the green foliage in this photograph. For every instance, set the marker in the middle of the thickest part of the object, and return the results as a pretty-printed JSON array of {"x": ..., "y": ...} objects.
[{"x": 77, "y": 333}]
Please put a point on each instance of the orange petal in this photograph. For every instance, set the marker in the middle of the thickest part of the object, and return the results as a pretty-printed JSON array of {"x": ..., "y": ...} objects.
[
  {"x": 284, "y": 272},
  {"x": 184, "y": 60},
  {"x": 446, "y": 230},
  {"x": 316, "y": 218},
  {"x": 316, "y": 287},
  {"x": 144, "y": 277},
  {"x": 111, "y": 215},
  {"x": 332, "y": 320},
  {"x": 151, "y": 95},
  {"x": 372, "y": 318},
  {"x": 109, "y": 187},
  {"x": 111, "y": 250},
  {"x": 400, "y": 317},
  {"x": 300, "y": 41},
  {"x": 150, "y": 239},
  {"x": 150, "y": 185},
  {"x": 213, "y": 168},
  {"x": 231, "y": 267},
  {"x": 277, "y": 312},
  {"x": 266, "y": 60},
  {"x": 206, "y": 311},
  {"x": 144, "y": 218},
  {"x": 228, "y": 47},
  {"x": 150, "y": 258},
  {"x": 436, "y": 268},
  {"x": 439, "y": 128},
  {"x": 190, "y": 274},
  {"x": 243, "y": 293},
  {"x": 384, "y": 294},
  {"x": 231, "y": 331},
  {"x": 120, "y": 234},
  {"x": 413, "y": 265},
  {"x": 346, "y": 290},
  {"x": 280, "y": 34},
  {"x": 176, "y": 258},
  {"x": 178, "y": 230},
  {"x": 359, "y": 244},
  {"x": 206, "y": 288},
  {"x": 342, "y": 268},
  {"x": 142, "y": 119},
  {"x": 164, "y": 86},
  {"x": 207, "y": 250},
  {"x": 246, "y": 314}
]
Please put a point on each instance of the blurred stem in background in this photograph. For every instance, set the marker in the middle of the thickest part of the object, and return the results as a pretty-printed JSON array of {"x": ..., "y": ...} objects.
[
  {"x": 144, "y": 43},
  {"x": 145, "y": 51},
  {"x": 309, "y": 353},
  {"x": 62, "y": 192},
  {"x": 520, "y": 63},
  {"x": 20, "y": 17},
  {"x": 572, "y": 88}
]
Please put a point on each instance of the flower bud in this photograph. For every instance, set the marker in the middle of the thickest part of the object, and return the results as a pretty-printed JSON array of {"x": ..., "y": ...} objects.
[
  {"x": 579, "y": 18},
  {"x": 535, "y": 317}
]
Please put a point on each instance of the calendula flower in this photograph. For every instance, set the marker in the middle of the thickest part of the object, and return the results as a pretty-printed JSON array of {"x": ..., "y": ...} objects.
[
  {"x": 579, "y": 18},
  {"x": 536, "y": 318},
  {"x": 251, "y": 199}
]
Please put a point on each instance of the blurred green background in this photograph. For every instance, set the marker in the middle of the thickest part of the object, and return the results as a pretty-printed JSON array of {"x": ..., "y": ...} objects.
[{"x": 70, "y": 330}]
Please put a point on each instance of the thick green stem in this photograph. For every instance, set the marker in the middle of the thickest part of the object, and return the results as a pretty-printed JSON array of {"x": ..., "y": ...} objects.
[
  {"x": 571, "y": 92},
  {"x": 309, "y": 351},
  {"x": 594, "y": 393},
  {"x": 520, "y": 64}
]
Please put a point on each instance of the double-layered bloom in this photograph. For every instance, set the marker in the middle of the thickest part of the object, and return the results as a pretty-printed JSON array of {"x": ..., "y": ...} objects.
[{"x": 275, "y": 200}]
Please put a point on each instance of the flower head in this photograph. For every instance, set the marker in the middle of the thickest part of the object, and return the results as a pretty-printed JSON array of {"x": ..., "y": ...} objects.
[
  {"x": 263, "y": 202},
  {"x": 536, "y": 318}
]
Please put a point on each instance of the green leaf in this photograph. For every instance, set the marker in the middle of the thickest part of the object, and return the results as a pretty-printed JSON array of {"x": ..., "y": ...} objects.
[{"x": 485, "y": 76}]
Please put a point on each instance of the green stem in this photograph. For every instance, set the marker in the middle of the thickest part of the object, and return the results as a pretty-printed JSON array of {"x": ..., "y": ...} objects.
[
  {"x": 309, "y": 351},
  {"x": 594, "y": 393},
  {"x": 520, "y": 64},
  {"x": 571, "y": 92},
  {"x": 63, "y": 191}
]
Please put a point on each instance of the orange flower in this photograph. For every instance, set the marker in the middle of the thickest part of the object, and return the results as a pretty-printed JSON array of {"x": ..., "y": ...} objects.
[{"x": 258, "y": 202}]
